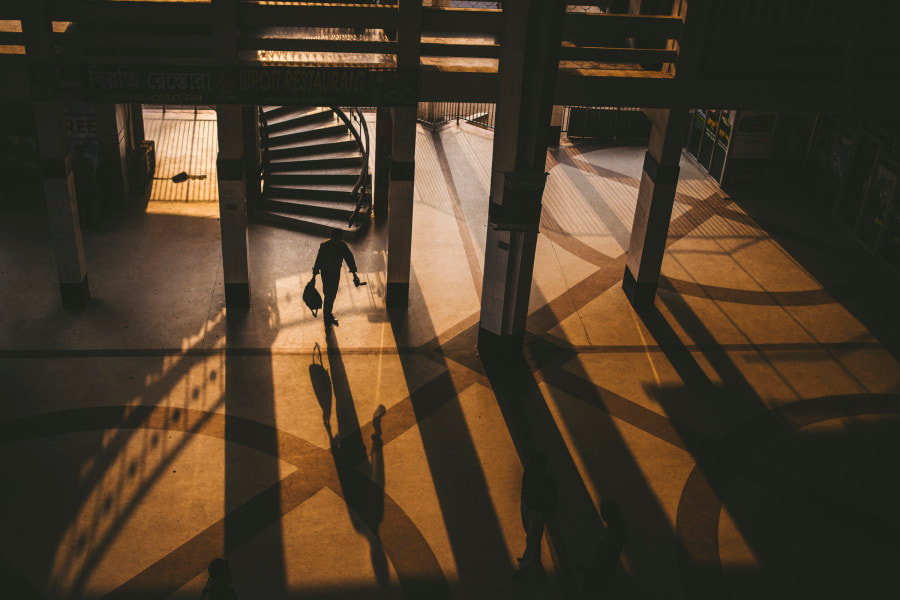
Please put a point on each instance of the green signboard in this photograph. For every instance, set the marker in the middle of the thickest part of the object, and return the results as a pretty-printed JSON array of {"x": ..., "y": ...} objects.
[{"x": 195, "y": 84}]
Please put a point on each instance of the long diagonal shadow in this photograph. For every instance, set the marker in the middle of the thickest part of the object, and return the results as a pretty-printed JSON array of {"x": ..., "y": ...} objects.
[
  {"x": 717, "y": 461},
  {"x": 418, "y": 570},
  {"x": 471, "y": 523},
  {"x": 364, "y": 496},
  {"x": 250, "y": 389}
]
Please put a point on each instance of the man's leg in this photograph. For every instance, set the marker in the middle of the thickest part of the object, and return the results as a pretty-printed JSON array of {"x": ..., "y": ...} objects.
[
  {"x": 534, "y": 531},
  {"x": 330, "y": 283}
]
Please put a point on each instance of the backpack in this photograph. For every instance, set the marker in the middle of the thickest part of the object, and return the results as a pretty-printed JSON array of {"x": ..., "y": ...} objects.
[{"x": 311, "y": 296}]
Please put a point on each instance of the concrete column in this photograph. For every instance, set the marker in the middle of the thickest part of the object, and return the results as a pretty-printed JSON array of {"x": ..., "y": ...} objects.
[
  {"x": 112, "y": 130},
  {"x": 654, "y": 205},
  {"x": 400, "y": 205},
  {"x": 383, "y": 140},
  {"x": 528, "y": 68},
  {"x": 137, "y": 126},
  {"x": 62, "y": 208},
  {"x": 233, "y": 206},
  {"x": 403, "y": 162},
  {"x": 556, "y": 123},
  {"x": 56, "y": 170},
  {"x": 252, "y": 153}
]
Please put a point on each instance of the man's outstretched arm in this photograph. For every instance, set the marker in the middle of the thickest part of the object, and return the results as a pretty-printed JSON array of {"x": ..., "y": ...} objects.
[{"x": 348, "y": 256}]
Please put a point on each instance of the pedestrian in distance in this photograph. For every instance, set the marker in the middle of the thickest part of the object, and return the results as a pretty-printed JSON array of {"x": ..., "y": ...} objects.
[
  {"x": 333, "y": 252},
  {"x": 605, "y": 563},
  {"x": 218, "y": 586},
  {"x": 539, "y": 499}
]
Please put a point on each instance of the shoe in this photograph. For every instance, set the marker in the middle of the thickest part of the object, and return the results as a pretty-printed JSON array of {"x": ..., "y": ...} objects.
[{"x": 334, "y": 322}]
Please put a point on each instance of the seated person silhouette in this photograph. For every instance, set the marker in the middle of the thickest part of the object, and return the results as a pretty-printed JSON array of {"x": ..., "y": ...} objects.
[{"x": 333, "y": 252}]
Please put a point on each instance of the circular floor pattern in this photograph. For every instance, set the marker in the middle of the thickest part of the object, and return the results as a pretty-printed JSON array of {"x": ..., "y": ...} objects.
[
  {"x": 701, "y": 502},
  {"x": 403, "y": 543}
]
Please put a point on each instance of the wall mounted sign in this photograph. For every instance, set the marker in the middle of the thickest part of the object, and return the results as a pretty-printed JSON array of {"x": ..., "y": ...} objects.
[{"x": 251, "y": 84}]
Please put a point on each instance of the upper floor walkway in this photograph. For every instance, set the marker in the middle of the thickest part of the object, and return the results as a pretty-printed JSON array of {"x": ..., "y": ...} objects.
[{"x": 822, "y": 55}]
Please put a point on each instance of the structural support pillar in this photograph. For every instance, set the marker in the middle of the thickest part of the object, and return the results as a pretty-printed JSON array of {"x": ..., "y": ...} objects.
[
  {"x": 252, "y": 153},
  {"x": 56, "y": 170},
  {"x": 383, "y": 141},
  {"x": 403, "y": 160},
  {"x": 62, "y": 207},
  {"x": 653, "y": 212},
  {"x": 401, "y": 191},
  {"x": 112, "y": 171},
  {"x": 528, "y": 69},
  {"x": 556, "y": 124},
  {"x": 233, "y": 206}
]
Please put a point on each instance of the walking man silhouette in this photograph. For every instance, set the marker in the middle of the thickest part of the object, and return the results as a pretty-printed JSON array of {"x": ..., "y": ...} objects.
[
  {"x": 332, "y": 252},
  {"x": 538, "y": 504},
  {"x": 605, "y": 563}
]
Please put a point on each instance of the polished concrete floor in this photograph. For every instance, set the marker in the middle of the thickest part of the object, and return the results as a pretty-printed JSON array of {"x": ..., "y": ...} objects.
[{"x": 749, "y": 425}]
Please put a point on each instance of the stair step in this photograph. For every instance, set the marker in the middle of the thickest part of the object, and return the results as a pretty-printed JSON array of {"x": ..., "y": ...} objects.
[
  {"x": 307, "y": 193},
  {"x": 287, "y": 183},
  {"x": 275, "y": 114},
  {"x": 314, "y": 178},
  {"x": 309, "y": 224},
  {"x": 319, "y": 133},
  {"x": 291, "y": 128},
  {"x": 320, "y": 148},
  {"x": 319, "y": 208},
  {"x": 300, "y": 121},
  {"x": 334, "y": 162}
]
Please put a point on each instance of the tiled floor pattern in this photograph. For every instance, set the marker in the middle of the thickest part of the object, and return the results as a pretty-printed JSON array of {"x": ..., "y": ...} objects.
[{"x": 748, "y": 424}]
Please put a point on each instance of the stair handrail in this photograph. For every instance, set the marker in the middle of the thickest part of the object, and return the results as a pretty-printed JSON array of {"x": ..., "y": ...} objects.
[
  {"x": 264, "y": 147},
  {"x": 361, "y": 134}
]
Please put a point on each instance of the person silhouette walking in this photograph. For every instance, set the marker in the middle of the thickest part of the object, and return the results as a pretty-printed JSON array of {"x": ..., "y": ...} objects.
[
  {"x": 605, "y": 563},
  {"x": 333, "y": 252},
  {"x": 539, "y": 499}
]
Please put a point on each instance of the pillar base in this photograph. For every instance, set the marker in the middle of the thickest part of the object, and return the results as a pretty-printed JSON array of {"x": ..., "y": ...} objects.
[
  {"x": 490, "y": 344},
  {"x": 237, "y": 295},
  {"x": 75, "y": 295},
  {"x": 396, "y": 295},
  {"x": 555, "y": 135},
  {"x": 641, "y": 294}
]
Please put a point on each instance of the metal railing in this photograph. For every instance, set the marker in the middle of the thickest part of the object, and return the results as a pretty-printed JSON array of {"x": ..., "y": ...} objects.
[
  {"x": 619, "y": 125},
  {"x": 361, "y": 133},
  {"x": 264, "y": 149},
  {"x": 435, "y": 114}
]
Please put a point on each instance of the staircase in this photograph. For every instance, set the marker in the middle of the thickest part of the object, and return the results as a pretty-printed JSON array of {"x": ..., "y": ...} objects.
[{"x": 315, "y": 169}]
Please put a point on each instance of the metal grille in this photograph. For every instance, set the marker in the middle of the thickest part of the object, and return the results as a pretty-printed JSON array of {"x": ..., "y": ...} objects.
[
  {"x": 461, "y": 4},
  {"x": 596, "y": 8},
  {"x": 436, "y": 114},
  {"x": 625, "y": 126}
]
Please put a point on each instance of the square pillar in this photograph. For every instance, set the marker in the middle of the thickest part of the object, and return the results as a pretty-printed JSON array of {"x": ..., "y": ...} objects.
[
  {"x": 556, "y": 123},
  {"x": 527, "y": 79},
  {"x": 233, "y": 207},
  {"x": 62, "y": 208},
  {"x": 112, "y": 155},
  {"x": 400, "y": 205},
  {"x": 384, "y": 133},
  {"x": 653, "y": 212},
  {"x": 252, "y": 154}
]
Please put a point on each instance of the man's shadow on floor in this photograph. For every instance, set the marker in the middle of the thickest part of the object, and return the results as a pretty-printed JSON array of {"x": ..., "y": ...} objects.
[{"x": 361, "y": 477}]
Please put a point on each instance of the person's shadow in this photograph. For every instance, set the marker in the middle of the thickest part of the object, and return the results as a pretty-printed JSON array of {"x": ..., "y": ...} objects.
[
  {"x": 321, "y": 382},
  {"x": 361, "y": 478}
]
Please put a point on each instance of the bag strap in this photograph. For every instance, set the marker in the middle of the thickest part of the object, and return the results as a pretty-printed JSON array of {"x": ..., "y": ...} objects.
[{"x": 317, "y": 349}]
